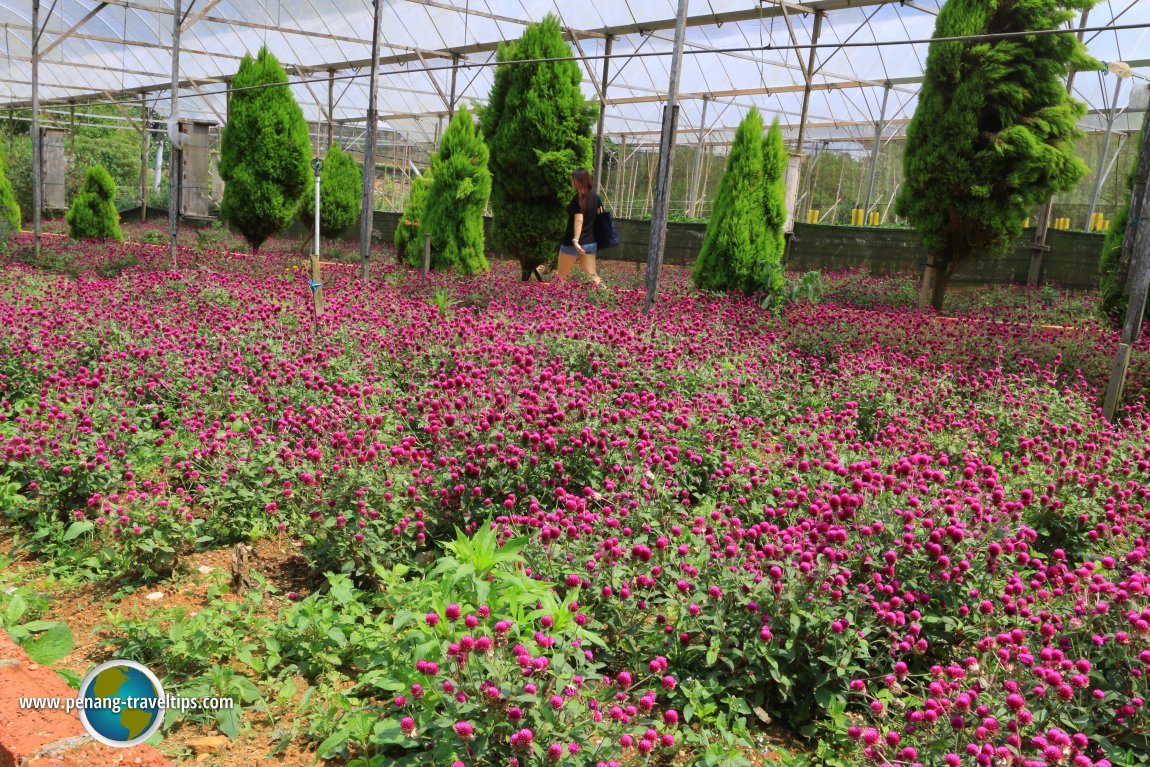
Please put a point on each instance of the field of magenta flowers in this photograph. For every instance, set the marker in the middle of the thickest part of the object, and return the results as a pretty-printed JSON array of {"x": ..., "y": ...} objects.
[{"x": 545, "y": 528}]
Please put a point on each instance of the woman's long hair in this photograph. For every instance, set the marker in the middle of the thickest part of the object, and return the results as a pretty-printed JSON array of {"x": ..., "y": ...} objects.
[{"x": 582, "y": 179}]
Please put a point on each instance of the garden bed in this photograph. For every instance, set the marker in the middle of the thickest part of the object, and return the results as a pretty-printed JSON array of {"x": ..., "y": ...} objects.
[{"x": 895, "y": 536}]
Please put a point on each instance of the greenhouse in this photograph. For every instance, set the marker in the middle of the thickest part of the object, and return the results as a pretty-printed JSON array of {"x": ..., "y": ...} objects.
[{"x": 515, "y": 383}]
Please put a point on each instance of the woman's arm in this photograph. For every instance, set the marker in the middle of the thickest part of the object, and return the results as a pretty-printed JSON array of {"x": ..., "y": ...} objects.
[{"x": 577, "y": 227}]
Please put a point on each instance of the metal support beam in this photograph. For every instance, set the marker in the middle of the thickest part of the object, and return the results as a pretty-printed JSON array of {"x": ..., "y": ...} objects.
[
  {"x": 1136, "y": 253},
  {"x": 666, "y": 164},
  {"x": 1039, "y": 246},
  {"x": 454, "y": 85},
  {"x": 72, "y": 29},
  {"x": 330, "y": 108},
  {"x": 878, "y": 128},
  {"x": 1110, "y": 117},
  {"x": 144, "y": 135},
  {"x": 176, "y": 155},
  {"x": 37, "y": 140},
  {"x": 190, "y": 21},
  {"x": 693, "y": 194},
  {"x": 807, "y": 83},
  {"x": 597, "y": 169},
  {"x": 367, "y": 204}
]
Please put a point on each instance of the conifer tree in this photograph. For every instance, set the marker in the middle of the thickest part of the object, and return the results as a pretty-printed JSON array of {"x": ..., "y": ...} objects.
[
  {"x": 340, "y": 186},
  {"x": 538, "y": 128},
  {"x": 9, "y": 208},
  {"x": 93, "y": 214},
  {"x": 768, "y": 276},
  {"x": 736, "y": 236},
  {"x": 265, "y": 151},
  {"x": 993, "y": 134},
  {"x": 457, "y": 198},
  {"x": 409, "y": 232}
]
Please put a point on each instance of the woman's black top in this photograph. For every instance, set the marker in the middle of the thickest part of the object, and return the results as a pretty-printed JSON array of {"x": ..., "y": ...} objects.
[{"x": 587, "y": 236}]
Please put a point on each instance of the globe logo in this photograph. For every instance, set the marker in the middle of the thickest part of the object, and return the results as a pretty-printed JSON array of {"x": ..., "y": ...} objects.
[{"x": 121, "y": 703}]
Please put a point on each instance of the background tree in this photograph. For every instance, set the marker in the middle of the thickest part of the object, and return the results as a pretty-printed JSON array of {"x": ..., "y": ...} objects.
[
  {"x": 264, "y": 152},
  {"x": 457, "y": 198},
  {"x": 409, "y": 232},
  {"x": 538, "y": 128},
  {"x": 993, "y": 134},
  {"x": 736, "y": 235},
  {"x": 9, "y": 208},
  {"x": 768, "y": 276},
  {"x": 93, "y": 214},
  {"x": 1115, "y": 292},
  {"x": 340, "y": 186}
]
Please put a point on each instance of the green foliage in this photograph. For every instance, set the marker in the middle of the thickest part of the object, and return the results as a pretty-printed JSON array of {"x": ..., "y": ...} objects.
[
  {"x": 993, "y": 134},
  {"x": 45, "y": 641},
  {"x": 409, "y": 232},
  {"x": 264, "y": 151},
  {"x": 457, "y": 199},
  {"x": 340, "y": 188},
  {"x": 1114, "y": 298},
  {"x": 538, "y": 128},
  {"x": 768, "y": 273},
  {"x": 9, "y": 208},
  {"x": 93, "y": 214},
  {"x": 736, "y": 237}
]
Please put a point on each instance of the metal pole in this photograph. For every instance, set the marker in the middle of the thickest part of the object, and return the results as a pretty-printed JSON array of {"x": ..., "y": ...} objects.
[
  {"x": 330, "y": 107},
  {"x": 367, "y": 204},
  {"x": 1136, "y": 250},
  {"x": 316, "y": 273},
  {"x": 454, "y": 79},
  {"x": 807, "y": 87},
  {"x": 666, "y": 150},
  {"x": 176, "y": 153},
  {"x": 693, "y": 194},
  {"x": 144, "y": 135},
  {"x": 598, "y": 167},
  {"x": 37, "y": 142},
  {"x": 878, "y": 126},
  {"x": 1039, "y": 246},
  {"x": 1105, "y": 150}
]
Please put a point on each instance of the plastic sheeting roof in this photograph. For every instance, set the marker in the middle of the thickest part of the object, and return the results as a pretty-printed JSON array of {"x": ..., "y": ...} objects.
[{"x": 92, "y": 50}]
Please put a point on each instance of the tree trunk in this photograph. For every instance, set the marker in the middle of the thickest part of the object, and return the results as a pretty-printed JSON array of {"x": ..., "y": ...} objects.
[
  {"x": 926, "y": 288},
  {"x": 526, "y": 269},
  {"x": 942, "y": 278}
]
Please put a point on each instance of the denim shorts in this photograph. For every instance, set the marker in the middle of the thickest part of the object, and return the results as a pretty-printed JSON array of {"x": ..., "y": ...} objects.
[{"x": 569, "y": 250}]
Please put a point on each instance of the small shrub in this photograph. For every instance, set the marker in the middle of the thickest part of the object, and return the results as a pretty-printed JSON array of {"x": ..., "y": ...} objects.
[
  {"x": 93, "y": 214},
  {"x": 409, "y": 232}
]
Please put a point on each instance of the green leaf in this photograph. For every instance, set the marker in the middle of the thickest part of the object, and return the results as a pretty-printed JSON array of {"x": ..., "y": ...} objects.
[
  {"x": 15, "y": 609},
  {"x": 228, "y": 720},
  {"x": 333, "y": 745},
  {"x": 76, "y": 529},
  {"x": 51, "y": 645},
  {"x": 71, "y": 677}
]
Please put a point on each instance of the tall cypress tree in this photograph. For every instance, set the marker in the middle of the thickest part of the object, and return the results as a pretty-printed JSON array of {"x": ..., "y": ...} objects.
[
  {"x": 264, "y": 152},
  {"x": 736, "y": 237},
  {"x": 538, "y": 128},
  {"x": 993, "y": 134},
  {"x": 457, "y": 199},
  {"x": 768, "y": 275},
  {"x": 340, "y": 186},
  {"x": 9, "y": 208}
]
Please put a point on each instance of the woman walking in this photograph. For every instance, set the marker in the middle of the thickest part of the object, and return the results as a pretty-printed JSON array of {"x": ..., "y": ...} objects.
[{"x": 578, "y": 244}]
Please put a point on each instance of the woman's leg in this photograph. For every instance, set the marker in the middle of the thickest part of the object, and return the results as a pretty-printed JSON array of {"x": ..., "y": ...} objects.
[
  {"x": 587, "y": 264},
  {"x": 565, "y": 264}
]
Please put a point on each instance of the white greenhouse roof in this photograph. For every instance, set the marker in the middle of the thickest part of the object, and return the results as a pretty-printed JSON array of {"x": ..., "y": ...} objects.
[{"x": 738, "y": 53}]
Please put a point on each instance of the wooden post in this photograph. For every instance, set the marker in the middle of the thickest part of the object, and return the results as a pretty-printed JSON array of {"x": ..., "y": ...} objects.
[
  {"x": 666, "y": 162},
  {"x": 807, "y": 86},
  {"x": 175, "y": 157},
  {"x": 454, "y": 82},
  {"x": 1136, "y": 252},
  {"x": 37, "y": 148},
  {"x": 367, "y": 204},
  {"x": 316, "y": 271},
  {"x": 426, "y": 253},
  {"x": 597, "y": 168},
  {"x": 878, "y": 126}
]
